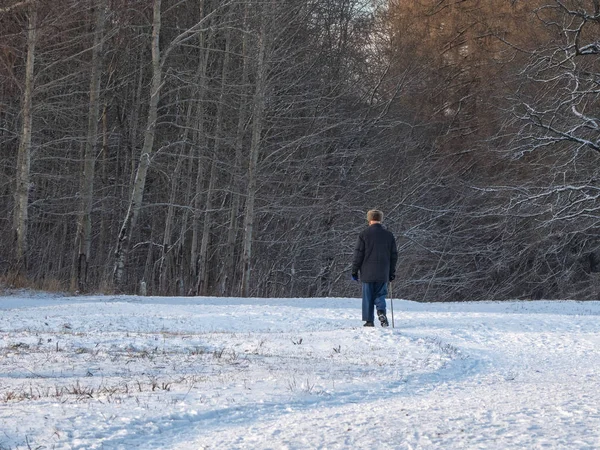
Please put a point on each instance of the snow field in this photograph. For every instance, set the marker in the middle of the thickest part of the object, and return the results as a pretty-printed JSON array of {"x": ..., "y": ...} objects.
[{"x": 189, "y": 373}]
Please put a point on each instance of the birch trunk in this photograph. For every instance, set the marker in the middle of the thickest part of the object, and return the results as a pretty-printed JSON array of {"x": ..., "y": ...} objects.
[
  {"x": 258, "y": 109},
  {"x": 135, "y": 202},
  {"x": 84, "y": 231},
  {"x": 24, "y": 152}
]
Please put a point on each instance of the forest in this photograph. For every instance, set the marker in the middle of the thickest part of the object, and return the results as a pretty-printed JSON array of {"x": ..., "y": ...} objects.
[{"x": 233, "y": 147}]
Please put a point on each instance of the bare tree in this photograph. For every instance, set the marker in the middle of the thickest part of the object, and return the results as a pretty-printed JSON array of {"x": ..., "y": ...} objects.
[
  {"x": 24, "y": 153},
  {"x": 229, "y": 277},
  {"x": 158, "y": 62},
  {"x": 258, "y": 108},
  {"x": 84, "y": 232},
  {"x": 129, "y": 222}
]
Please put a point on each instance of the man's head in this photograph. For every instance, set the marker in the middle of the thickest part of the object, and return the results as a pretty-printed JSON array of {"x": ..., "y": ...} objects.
[{"x": 374, "y": 216}]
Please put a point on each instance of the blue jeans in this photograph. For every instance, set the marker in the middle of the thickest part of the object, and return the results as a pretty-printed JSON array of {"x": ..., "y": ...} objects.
[{"x": 373, "y": 296}]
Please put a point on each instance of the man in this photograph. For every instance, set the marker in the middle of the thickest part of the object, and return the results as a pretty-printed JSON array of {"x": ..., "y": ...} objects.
[{"x": 375, "y": 257}]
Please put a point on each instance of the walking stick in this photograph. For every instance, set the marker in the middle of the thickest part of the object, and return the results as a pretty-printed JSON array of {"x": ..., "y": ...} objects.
[{"x": 392, "y": 304}]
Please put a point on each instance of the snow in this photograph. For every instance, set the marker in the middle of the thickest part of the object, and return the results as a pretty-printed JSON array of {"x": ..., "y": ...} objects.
[{"x": 125, "y": 372}]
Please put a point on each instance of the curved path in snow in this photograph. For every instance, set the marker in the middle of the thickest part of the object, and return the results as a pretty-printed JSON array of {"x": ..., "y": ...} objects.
[{"x": 226, "y": 373}]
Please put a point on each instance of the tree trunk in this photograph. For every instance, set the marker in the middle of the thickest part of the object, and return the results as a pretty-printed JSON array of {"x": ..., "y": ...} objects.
[
  {"x": 228, "y": 278},
  {"x": 135, "y": 202},
  {"x": 24, "y": 152},
  {"x": 200, "y": 146},
  {"x": 202, "y": 286},
  {"x": 105, "y": 223},
  {"x": 183, "y": 263},
  {"x": 168, "y": 256},
  {"x": 258, "y": 108},
  {"x": 84, "y": 231}
]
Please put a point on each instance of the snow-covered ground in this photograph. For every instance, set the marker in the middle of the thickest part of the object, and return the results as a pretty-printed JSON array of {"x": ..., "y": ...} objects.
[{"x": 227, "y": 373}]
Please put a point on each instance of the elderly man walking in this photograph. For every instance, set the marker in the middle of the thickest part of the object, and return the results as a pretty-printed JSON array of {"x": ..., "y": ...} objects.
[{"x": 375, "y": 257}]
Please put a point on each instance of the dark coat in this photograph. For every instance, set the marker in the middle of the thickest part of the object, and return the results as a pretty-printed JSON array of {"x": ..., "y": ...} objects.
[{"x": 375, "y": 255}]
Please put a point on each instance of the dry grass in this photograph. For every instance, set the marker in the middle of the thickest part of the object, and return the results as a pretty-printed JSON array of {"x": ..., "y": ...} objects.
[{"x": 15, "y": 280}]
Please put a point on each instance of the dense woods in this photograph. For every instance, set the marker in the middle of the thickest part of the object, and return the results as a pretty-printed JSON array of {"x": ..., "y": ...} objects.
[{"x": 232, "y": 147}]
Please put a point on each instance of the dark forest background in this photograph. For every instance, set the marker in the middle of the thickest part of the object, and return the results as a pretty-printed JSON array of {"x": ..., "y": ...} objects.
[{"x": 233, "y": 147}]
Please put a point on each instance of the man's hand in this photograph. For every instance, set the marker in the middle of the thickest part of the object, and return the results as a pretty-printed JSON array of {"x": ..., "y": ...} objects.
[
  {"x": 392, "y": 277},
  {"x": 355, "y": 276}
]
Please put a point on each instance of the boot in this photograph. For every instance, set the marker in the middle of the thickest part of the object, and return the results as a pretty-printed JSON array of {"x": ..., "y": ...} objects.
[{"x": 382, "y": 318}]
